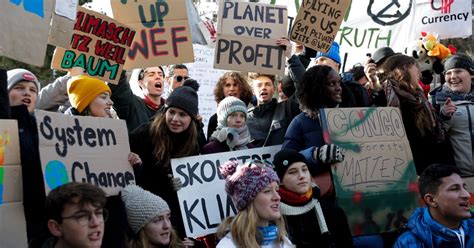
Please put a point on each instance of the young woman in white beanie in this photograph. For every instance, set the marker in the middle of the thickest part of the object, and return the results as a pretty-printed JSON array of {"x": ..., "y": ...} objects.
[
  {"x": 253, "y": 188},
  {"x": 149, "y": 218},
  {"x": 232, "y": 132}
]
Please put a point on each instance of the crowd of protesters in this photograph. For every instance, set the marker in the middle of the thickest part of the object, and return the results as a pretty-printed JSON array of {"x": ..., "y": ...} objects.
[{"x": 278, "y": 203}]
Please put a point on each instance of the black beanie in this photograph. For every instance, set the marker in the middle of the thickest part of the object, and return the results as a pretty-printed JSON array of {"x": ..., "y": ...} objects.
[
  {"x": 459, "y": 61},
  {"x": 284, "y": 159},
  {"x": 185, "y": 98}
]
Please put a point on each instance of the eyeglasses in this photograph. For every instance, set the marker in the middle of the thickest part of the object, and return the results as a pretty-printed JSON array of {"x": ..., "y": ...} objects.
[
  {"x": 180, "y": 78},
  {"x": 84, "y": 218}
]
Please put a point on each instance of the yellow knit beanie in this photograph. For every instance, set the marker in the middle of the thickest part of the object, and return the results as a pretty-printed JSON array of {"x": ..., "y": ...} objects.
[{"x": 82, "y": 90}]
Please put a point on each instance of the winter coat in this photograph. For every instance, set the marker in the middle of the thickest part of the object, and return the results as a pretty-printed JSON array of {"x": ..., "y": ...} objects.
[
  {"x": 426, "y": 232},
  {"x": 34, "y": 194},
  {"x": 130, "y": 107},
  {"x": 304, "y": 231},
  {"x": 304, "y": 135},
  {"x": 154, "y": 174},
  {"x": 460, "y": 128},
  {"x": 53, "y": 97},
  {"x": 228, "y": 242}
]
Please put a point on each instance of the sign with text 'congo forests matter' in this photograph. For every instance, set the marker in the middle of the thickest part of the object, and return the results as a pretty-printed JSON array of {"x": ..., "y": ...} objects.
[
  {"x": 203, "y": 200},
  {"x": 12, "y": 217},
  {"x": 84, "y": 149},
  {"x": 246, "y": 37},
  {"x": 163, "y": 32},
  {"x": 317, "y": 23},
  {"x": 99, "y": 44},
  {"x": 376, "y": 184}
]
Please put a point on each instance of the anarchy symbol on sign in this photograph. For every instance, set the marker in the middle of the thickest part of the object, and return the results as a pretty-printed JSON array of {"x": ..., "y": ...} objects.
[{"x": 391, "y": 14}]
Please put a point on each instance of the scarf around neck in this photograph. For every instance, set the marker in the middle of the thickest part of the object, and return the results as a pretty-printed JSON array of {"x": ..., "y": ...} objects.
[
  {"x": 152, "y": 104},
  {"x": 236, "y": 138},
  {"x": 294, "y": 198}
]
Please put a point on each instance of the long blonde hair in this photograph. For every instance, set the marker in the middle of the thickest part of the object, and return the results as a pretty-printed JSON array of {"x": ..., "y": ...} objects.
[
  {"x": 243, "y": 228},
  {"x": 164, "y": 140},
  {"x": 142, "y": 241}
]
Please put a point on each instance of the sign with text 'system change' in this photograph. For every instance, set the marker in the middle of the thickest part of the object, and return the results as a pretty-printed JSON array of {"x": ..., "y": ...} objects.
[
  {"x": 246, "y": 37},
  {"x": 99, "y": 44},
  {"x": 84, "y": 149},
  {"x": 163, "y": 32},
  {"x": 376, "y": 184},
  {"x": 203, "y": 200}
]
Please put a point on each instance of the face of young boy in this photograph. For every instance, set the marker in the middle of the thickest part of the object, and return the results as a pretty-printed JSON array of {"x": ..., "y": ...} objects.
[
  {"x": 451, "y": 203},
  {"x": 81, "y": 226},
  {"x": 297, "y": 178}
]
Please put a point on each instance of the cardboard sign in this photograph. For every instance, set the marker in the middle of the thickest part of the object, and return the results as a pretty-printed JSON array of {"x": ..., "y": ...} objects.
[
  {"x": 12, "y": 217},
  {"x": 317, "y": 23},
  {"x": 84, "y": 149},
  {"x": 203, "y": 200},
  {"x": 246, "y": 37},
  {"x": 25, "y": 28},
  {"x": 376, "y": 184},
  {"x": 99, "y": 44},
  {"x": 163, "y": 32}
]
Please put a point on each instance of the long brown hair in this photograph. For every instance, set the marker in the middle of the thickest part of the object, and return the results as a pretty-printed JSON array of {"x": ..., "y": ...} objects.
[
  {"x": 241, "y": 80},
  {"x": 396, "y": 70},
  {"x": 243, "y": 228},
  {"x": 164, "y": 140}
]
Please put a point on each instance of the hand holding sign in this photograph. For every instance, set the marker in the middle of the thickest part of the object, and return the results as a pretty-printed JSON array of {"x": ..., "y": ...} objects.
[
  {"x": 285, "y": 43},
  {"x": 328, "y": 154}
]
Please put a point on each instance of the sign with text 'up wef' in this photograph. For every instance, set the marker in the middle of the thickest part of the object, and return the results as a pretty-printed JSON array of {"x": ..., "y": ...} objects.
[
  {"x": 84, "y": 149},
  {"x": 163, "y": 32},
  {"x": 376, "y": 184},
  {"x": 99, "y": 44},
  {"x": 246, "y": 37}
]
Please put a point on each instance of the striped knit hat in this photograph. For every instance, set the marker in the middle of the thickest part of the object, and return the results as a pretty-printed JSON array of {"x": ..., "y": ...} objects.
[
  {"x": 228, "y": 106},
  {"x": 244, "y": 182}
]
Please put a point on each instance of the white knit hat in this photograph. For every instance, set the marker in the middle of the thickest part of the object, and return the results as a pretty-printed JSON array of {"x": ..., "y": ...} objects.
[
  {"x": 228, "y": 106},
  {"x": 142, "y": 206},
  {"x": 17, "y": 75}
]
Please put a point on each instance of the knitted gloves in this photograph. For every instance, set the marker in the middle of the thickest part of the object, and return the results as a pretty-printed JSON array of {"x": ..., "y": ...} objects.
[{"x": 328, "y": 154}]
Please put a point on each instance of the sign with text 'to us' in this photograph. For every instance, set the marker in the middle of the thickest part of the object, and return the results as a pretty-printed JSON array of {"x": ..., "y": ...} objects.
[
  {"x": 84, "y": 149},
  {"x": 317, "y": 23}
]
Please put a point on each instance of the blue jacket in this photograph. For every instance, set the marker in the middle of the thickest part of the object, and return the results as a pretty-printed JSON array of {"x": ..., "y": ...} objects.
[
  {"x": 304, "y": 134},
  {"x": 426, "y": 232}
]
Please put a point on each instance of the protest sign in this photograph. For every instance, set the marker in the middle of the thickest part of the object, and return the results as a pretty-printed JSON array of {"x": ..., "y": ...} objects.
[
  {"x": 203, "y": 200},
  {"x": 163, "y": 32},
  {"x": 12, "y": 217},
  {"x": 246, "y": 37},
  {"x": 25, "y": 28},
  {"x": 317, "y": 23},
  {"x": 202, "y": 71},
  {"x": 84, "y": 149},
  {"x": 376, "y": 184},
  {"x": 99, "y": 45}
]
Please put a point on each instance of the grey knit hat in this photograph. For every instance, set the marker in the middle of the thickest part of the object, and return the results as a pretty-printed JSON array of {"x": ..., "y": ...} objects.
[
  {"x": 17, "y": 75},
  {"x": 228, "y": 106},
  {"x": 142, "y": 206},
  {"x": 459, "y": 61}
]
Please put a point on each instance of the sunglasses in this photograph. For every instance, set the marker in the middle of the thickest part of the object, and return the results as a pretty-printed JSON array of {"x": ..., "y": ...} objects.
[{"x": 180, "y": 78}]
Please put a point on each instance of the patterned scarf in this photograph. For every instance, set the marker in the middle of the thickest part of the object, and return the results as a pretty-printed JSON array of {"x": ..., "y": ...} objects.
[
  {"x": 294, "y": 198},
  {"x": 269, "y": 234},
  {"x": 236, "y": 138},
  {"x": 418, "y": 103}
]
